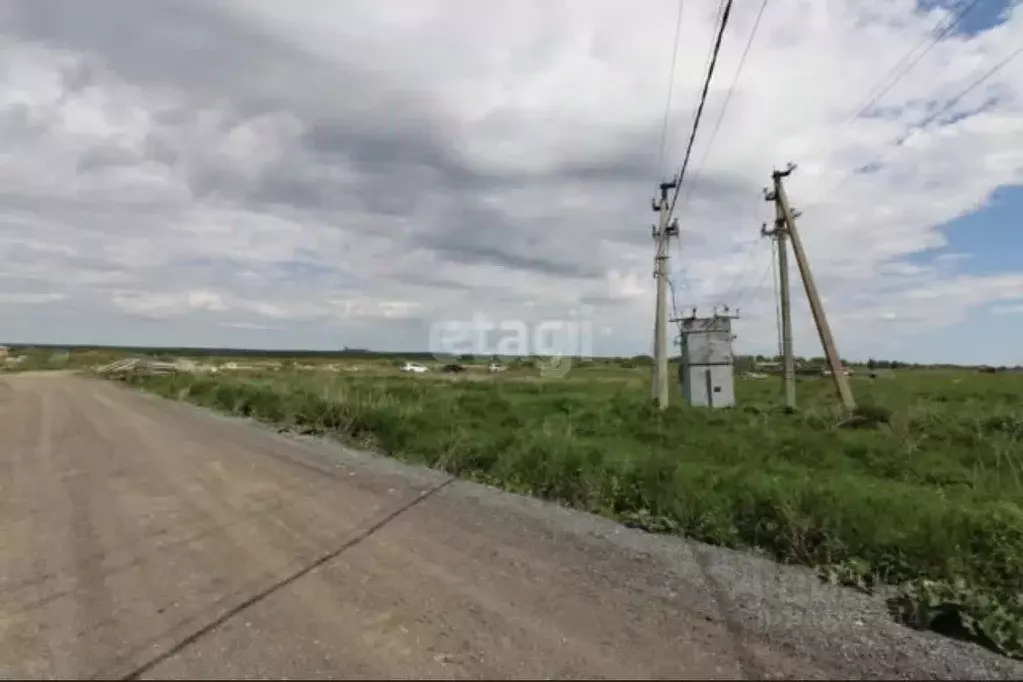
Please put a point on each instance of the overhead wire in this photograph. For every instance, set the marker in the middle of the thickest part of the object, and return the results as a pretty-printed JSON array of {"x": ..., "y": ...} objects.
[
  {"x": 678, "y": 246},
  {"x": 680, "y": 178},
  {"x": 664, "y": 129},
  {"x": 930, "y": 118},
  {"x": 724, "y": 11},
  {"x": 771, "y": 268},
  {"x": 750, "y": 250},
  {"x": 941, "y": 29},
  {"x": 724, "y": 105},
  {"x": 717, "y": 127},
  {"x": 671, "y": 87},
  {"x": 706, "y": 65},
  {"x": 955, "y": 100},
  {"x": 755, "y": 289},
  {"x": 934, "y": 36},
  {"x": 937, "y": 33},
  {"x": 674, "y": 302},
  {"x": 736, "y": 281},
  {"x": 955, "y": 16},
  {"x": 713, "y": 32}
]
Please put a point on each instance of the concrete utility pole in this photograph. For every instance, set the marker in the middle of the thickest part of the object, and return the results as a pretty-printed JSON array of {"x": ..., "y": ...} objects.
[
  {"x": 816, "y": 306},
  {"x": 780, "y": 237},
  {"x": 662, "y": 233}
]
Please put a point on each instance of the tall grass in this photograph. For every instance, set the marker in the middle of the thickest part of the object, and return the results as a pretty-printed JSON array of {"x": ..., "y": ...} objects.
[{"x": 928, "y": 502}]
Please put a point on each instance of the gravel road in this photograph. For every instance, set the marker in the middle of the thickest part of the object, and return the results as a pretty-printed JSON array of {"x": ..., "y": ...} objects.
[{"x": 143, "y": 538}]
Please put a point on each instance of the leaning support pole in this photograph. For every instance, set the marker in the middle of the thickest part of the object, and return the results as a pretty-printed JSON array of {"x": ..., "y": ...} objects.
[{"x": 816, "y": 306}]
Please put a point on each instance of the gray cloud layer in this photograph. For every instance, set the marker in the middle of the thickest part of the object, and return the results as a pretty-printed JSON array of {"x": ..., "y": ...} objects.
[{"x": 365, "y": 169}]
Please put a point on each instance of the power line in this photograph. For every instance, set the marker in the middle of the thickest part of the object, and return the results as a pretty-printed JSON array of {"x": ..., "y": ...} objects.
[
  {"x": 671, "y": 87},
  {"x": 710, "y": 52},
  {"x": 724, "y": 106},
  {"x": 667, "y": 114},
  {"x": 934, "y": 38},
  {"x": 663, "y": 234},
  {"x": 755, "y": 289},
  {"x": 737, "y": 280},
  {"x": 750, "y": 249},
  {"x": 713, "y": 31},
  {"x": 935, "y": 35},
  {"x": 671, "y": 285},
  {"x": 674, "y": 303},
  {"x": 955, "y": 100},
  {"x": 703, "y": 101},
  {"x": 721, "y": 116},
  {"x": 932, "y": 117},
  {"x": 710, "y": 48},
  {"x": 720, "y": 23}
]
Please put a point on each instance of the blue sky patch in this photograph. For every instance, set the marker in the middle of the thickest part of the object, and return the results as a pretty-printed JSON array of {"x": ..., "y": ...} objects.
[
  {"x": 984, "y": 337},
  {"x": 991, "y": 235},
  {"x": 981, "y": 16}
]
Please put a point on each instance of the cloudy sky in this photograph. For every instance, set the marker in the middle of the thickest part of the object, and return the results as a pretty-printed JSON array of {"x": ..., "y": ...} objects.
[{"x": 322, "y": 173}]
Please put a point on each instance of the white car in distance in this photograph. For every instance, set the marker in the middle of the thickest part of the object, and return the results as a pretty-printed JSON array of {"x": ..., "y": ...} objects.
[{"x": 414, "y": 367}]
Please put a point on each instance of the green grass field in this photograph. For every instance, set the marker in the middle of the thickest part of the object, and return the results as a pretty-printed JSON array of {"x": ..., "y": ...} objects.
[{"x": 924, "y": 506}]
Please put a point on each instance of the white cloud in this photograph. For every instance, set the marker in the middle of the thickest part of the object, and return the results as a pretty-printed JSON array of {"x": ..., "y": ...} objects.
[
  {"x": 625, "y": 285},
  {"x": 379, "y": 163}
]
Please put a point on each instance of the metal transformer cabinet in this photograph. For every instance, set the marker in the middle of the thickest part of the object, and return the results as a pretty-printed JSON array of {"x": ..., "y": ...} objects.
[{"x": 706, "y": 374}]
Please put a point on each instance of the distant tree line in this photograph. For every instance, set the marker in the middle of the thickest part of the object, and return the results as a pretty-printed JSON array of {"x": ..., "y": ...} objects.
[
  {"x": 752, "y": 362},
  {"x": 743, "y": 363}
]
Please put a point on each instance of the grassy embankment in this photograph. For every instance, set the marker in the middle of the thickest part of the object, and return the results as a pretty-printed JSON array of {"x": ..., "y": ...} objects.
[{"x": 927, "y": 503}]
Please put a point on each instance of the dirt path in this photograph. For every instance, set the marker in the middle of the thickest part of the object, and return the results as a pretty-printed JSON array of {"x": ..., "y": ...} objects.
[{"x": 146, "y": 538}]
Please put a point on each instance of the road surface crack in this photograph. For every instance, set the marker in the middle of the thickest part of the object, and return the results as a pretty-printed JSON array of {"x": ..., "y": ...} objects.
[{"x": 283, "y": 582}]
